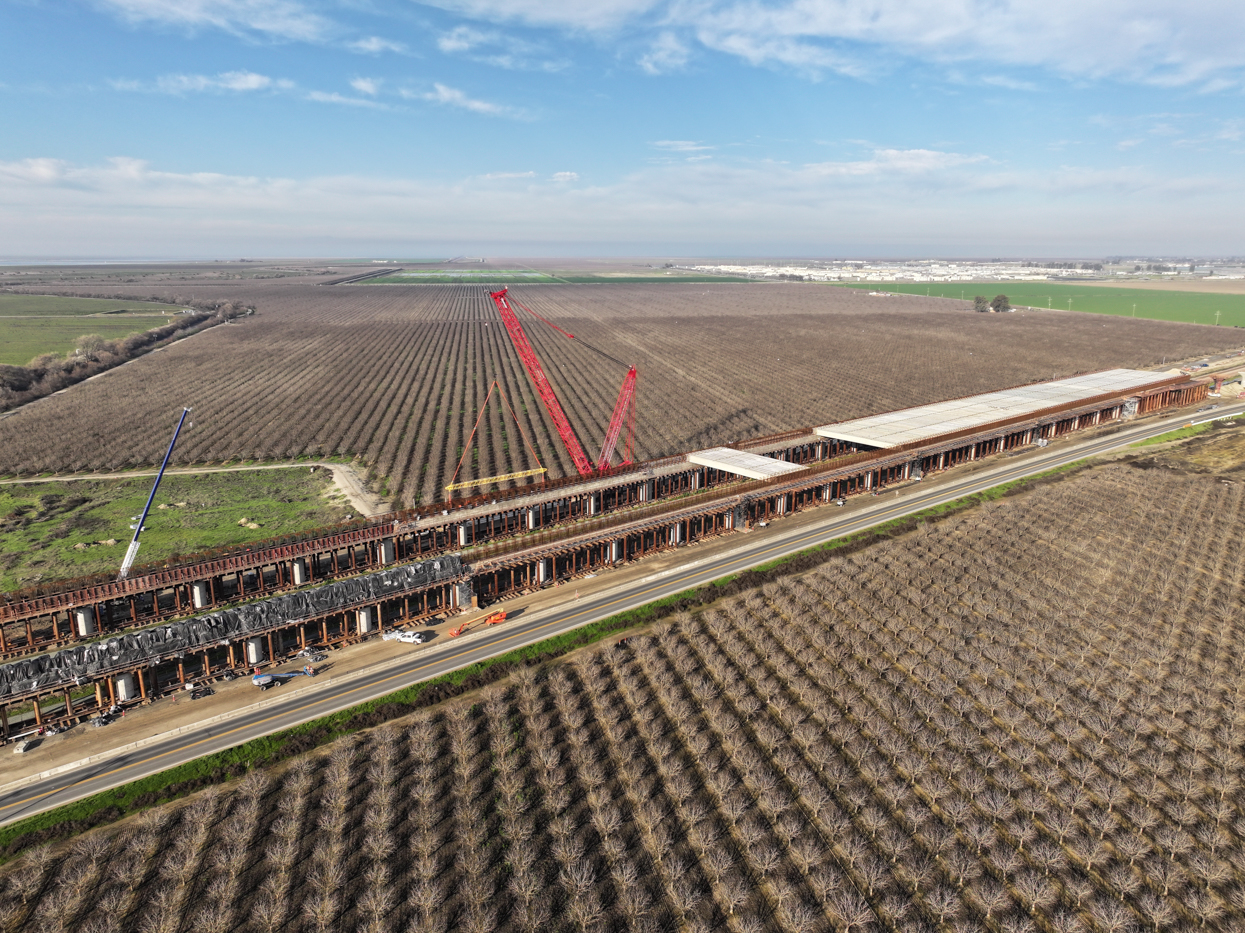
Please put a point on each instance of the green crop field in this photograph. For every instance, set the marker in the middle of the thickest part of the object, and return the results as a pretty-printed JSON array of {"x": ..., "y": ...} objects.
[
  {"x": 40, "y": 523},
  {"x": 518, "y": 276},
  {"x": 1189, "y": 307},
  {"x": 34, "y": 324},
  {"x": 57, "y": 306},
  {"x": 22, "y": 339},
  {"x": 456, "y": 277},
  {"x": 659, "y": 277}
]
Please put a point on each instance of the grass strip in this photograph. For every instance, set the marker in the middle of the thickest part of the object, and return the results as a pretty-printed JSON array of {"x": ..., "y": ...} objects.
[
  {"x": 111, "y": 805},
  {"x": 1189, "y": 430}
]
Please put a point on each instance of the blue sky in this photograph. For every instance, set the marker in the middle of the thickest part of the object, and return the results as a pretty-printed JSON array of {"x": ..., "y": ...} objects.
[{"x": 225, "y": 128}]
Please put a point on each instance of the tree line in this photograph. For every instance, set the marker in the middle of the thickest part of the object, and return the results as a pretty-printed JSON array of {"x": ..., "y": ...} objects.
[{"x": 92, "y": 354}]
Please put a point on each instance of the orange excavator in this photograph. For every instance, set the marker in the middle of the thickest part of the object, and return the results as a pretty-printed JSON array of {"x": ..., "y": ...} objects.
[{"x": 495, "y": 619}]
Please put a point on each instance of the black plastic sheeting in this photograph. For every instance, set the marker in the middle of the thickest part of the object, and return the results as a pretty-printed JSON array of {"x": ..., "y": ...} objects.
[{"x": 136, "y": 648}]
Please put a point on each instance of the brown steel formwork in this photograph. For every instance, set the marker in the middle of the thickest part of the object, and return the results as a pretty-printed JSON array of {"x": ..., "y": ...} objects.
[
  {"x": 341, "y": 636},
  {"x": 720, "y": 511},
  {"x": 415, "y": 538}
]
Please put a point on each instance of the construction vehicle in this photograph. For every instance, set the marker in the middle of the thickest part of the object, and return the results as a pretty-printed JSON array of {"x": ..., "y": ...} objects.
[
  {"x": 264, "y": 681},
  {"x": 624, "y": 407},
  {"x": 495, "y": 619}
]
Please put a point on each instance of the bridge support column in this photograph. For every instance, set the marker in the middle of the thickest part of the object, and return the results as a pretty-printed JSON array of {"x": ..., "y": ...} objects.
[
  {"x": 594, "y": 503},
  {"x": 84, "y": 621},
  {"x": 616, "y": 552},
  {"x": 462, "y": 535},
  {"x": 200, "y": 595},
  {"x": 385, "y": 551},
  {"x": 255, "y": 652},
  {"x": 365, "y": 620},
  {"x": 544, "y": 570},
  {"x": 301, "y": 576},
  {"x": 125, "y": 688},
  {"x": 531, "y": 519}
]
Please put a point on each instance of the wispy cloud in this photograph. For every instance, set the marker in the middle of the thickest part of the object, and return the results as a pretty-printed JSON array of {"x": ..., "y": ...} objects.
[
  {"x": 274, "y": 19},
  {"x": 374, "y": 45},
  {"x": 453, "y": 97},
  {"x": 366, "y": 85},
  {"x": 332, "y": 97},
  {"x": 1011, "y": 84},
  {"x": 897, "y": 162},
  {"x": 1160, "y": 42},
  {"x": 498, "y": 49},
  {"x": 53, "y": 206},
  {"x": 494, "y": 176},
  {"x": 680, "y": 145},
  {"x": 667, "y": 53},
  {"x": 239, "y": 81},
  {"x": 566, "y": 177}
]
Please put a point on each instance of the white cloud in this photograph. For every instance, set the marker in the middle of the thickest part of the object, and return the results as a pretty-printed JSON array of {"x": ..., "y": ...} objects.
[
  {"x": 1163, "y": 42},
  {"x": 498, "y": 49},
  {"x": 566, "y": 176},
  {"x": 667, "y": 53},
  {"x": 464, "y": 39},
  {"x": 366, "y": 85},
  {"x": 494, "y": 176},
  {"x": 575, "y": 14},
  {"x": 59, "y": 208},
  {"x": 325, "y": 97},
  {"x": 679, "y": 145},
  {"x": 279, "y": 19},
  {"x": 1011, "y": 84},
  {"x": 374, "y": 45},
  {"x": 897, "y": 162},
  {"x": 191, "y": 83},
  {"x": 452, "y": 97}
]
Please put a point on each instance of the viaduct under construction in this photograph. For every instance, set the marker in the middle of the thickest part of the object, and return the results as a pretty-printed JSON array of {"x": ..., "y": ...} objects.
[{"x": 68, "y": 650}]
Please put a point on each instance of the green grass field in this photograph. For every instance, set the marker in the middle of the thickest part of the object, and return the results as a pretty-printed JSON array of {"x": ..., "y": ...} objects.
[
  {"x": 455, "y": 277},
  {"x": 1189, "y": 307},
  {"x": 662, "y": 278},
  {"x": 55, "y": 305},
  {"x": 22, "y": 339},
  {"x": 41, "y": 522},
  {"x": 520, "y": 277},
  {"x": 34, "y": 324}
]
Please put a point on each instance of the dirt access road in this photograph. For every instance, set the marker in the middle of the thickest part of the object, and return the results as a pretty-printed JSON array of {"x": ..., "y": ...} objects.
[{"x": 345, "y": 477}]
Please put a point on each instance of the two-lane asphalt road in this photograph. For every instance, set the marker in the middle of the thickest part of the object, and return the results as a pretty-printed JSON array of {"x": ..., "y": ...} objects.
[{"x": 534, "y": 626}]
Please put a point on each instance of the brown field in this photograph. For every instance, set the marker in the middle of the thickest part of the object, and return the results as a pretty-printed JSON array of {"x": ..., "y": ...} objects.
[
  {"x": 1214, "y": 286},
  {"x": 1028, "y": 717},
  {"x": 394, "y": 375}
]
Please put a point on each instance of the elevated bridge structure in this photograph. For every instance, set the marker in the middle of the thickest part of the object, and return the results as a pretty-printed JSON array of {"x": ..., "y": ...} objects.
[{"x": 518, "y": 541}]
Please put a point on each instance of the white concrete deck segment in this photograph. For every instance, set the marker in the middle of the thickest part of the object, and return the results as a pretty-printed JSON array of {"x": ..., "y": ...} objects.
[
  {"x": 913, "y": 424},
  {"x": 742, "y": 463}
]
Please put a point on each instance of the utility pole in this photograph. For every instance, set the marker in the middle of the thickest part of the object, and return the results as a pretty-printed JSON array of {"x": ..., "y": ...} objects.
[
  {"x": 1216, "y": 318},
  {"x": 1134, "y": 310}
]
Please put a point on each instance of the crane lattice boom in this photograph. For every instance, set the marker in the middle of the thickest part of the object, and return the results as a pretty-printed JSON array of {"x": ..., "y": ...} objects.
[
  {"x": 624, "y": 411},
  {"x": 543, "y": 388}
]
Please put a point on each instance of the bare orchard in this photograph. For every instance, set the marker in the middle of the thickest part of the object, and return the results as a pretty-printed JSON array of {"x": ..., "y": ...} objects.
[
  {"x": 396, "y": 375},
  {"x": 996, "y": 723}
]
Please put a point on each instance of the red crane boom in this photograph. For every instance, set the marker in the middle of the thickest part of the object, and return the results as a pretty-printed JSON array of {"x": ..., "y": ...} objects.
[
  {"x": 543, "y": 388},
  {"x": 624, "y": 410}
]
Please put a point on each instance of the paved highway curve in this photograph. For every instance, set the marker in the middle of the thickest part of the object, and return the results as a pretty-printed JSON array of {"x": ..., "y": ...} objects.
[{"x": 537, "y": 625}]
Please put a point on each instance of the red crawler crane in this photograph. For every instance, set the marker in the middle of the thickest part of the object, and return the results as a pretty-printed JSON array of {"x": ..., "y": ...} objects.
[{"x": 624, "y": 408}]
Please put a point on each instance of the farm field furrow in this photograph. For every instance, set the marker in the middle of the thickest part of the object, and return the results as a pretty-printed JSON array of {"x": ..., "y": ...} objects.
[
  {"x": 395, "y": 376},
  {"x": 992, "y": 723}
]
